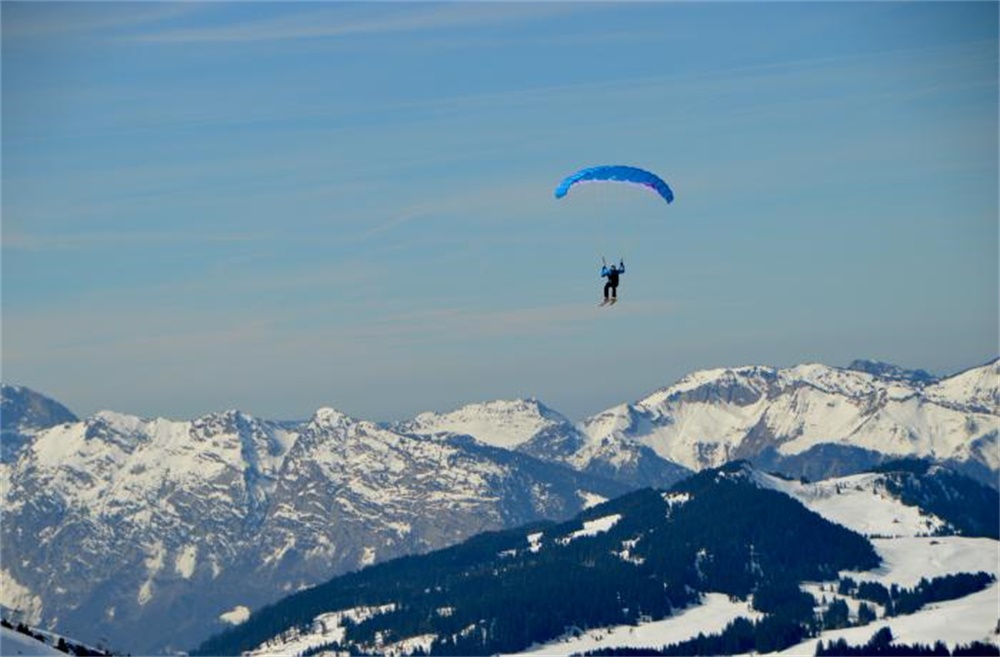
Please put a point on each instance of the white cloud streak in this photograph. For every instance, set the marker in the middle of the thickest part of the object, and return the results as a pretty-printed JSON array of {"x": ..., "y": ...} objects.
[
  {"x": 19, "y": 241},
  {"x": 32, "y": 20},
  {"x": 372, "y": 19}
]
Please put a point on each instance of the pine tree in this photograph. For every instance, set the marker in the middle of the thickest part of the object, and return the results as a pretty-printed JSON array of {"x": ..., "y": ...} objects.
[{"x": 866, "y": 614}]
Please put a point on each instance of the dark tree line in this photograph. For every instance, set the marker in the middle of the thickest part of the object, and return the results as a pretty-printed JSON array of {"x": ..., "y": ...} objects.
[
  {"x": 899, "y": 601},
  {"x": 790, "y": 620},
  {"x": 881, "y": 645}
]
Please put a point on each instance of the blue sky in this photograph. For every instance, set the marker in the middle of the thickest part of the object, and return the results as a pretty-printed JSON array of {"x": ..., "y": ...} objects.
[{"x": 276, "y": 207}]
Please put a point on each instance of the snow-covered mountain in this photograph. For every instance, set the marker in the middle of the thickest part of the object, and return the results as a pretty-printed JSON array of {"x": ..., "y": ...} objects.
[
  {"x": 813, "y": 420},
  {"x": 528, "y": 426},
  {"x": 673, "y": 540},
  {"x": 23, "y": 413},
  {"x": 517, "y": 424},
  {"x": 114, "y": 521},
  {"x": 139, "y": 531},
  {"x": 810, "y": 420}
]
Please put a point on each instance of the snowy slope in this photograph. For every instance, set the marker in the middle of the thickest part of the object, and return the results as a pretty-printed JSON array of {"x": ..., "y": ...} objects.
[
  {"x": 501, "y": 423},
  {"x": 713, "y": 416},
  {"x": 955, "y": 622},
  {"x": 710, "y": 617},
  {"x": 862, "y": 504},
  {"x": 973, "y": 618},
  {"x": 15, "y": 643},
  {"x": 975, "y": 389},
  {"x": 906, "y": 561},
  {"x": 859, "y": 502}
]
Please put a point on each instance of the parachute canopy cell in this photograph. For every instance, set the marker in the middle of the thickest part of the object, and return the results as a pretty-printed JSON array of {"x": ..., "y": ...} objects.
[{"x": 617, "y": 173}]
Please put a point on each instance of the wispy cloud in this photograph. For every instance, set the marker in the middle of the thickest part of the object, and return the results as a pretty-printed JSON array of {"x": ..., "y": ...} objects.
[
  {"x": 359, "y": 19},
  {"x": 18, "y": 241},
  {"x": 41, "y": 19}
]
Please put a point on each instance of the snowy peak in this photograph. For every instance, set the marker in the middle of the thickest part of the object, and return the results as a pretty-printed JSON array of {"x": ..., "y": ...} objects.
[
  {"x": 327, "y": 426},
  {"x": 503, "y": 423},
  {"x": 331, "y": 418},
  {"x": 741, "y": 386},
  {"x": 746, "y": 386}
]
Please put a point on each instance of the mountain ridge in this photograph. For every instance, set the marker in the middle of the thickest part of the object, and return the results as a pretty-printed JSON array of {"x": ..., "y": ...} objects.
[{"x": 713, "y": 416}]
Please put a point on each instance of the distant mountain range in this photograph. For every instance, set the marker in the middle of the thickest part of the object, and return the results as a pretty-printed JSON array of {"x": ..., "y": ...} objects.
[
  {"x": 813, "y": 420},
  {"x": 141, "y": 530}
]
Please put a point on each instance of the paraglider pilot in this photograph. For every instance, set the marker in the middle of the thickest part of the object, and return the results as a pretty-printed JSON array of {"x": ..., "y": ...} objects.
[{"x": 612, "y": 273}]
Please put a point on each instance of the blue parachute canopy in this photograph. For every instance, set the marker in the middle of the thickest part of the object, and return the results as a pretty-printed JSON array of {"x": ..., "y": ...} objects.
[{"x": 617, "y": 173}]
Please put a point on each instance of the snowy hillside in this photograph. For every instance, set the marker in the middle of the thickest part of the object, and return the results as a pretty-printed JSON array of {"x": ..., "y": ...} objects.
[
  {"x": 22, "y": 639},
  {"x": 14, "y": 643},
  {"x": 645, "y": 554},
  {"x": 977, "y": 389},
  {"x": 862, "y": 503},
  {"x": 955, "y": 622}
]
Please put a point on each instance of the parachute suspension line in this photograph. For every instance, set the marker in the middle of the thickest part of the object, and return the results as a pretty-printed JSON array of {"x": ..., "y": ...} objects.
[
  {"x": 605, "y": 223},
  {"x": 599, "y": 219}
]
